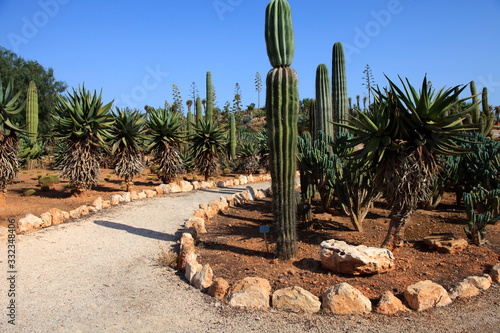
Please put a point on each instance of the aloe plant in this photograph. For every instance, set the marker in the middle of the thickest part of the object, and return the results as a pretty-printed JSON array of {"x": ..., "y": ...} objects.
[
  {"x": 127, "y": 139},
  {"x": 9, "y": 162},
  {"x": 208, "y": 144},
  {"x": 401, "y": 138},
  {"x": 83, "y": 123},
  {"x": 164, "y": 129}
]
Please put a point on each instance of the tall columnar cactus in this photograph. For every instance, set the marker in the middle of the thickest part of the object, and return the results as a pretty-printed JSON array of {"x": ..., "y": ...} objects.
[
  {"x": 487, "y": 117},
  {"x": 340, "y": 100},
  {"x": 232, "y": 137},
  {"x": 282, "y": 108},
  {"x": 32, "y": 121},
  {"x": 199, "y": 110},
  {"x": 312, "y": 120},
  {"x": 189, "y": 129},
  {"x": 324, "y": 112},
  {"x": 484, "y": 119},
  {"x": 209, "y": 112}
]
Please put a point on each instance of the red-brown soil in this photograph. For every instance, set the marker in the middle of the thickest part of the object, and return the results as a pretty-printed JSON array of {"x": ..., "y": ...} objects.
[
  {"x": 60, "y": 196},
  {"x": 235, "y": 249}
]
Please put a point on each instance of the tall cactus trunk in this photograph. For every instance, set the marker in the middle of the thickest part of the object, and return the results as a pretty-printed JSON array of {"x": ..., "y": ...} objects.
[
  {"x": 199, "y": 110},
  {"x": 189, "y": 129},
  {"x": 232, "y": 137},
  {"x": 476, "y": 113},
  {"x": 32, "y": 118},
  {"x": 313, "y": 130},
  {"x": 324, "y": 112},
  {"x": 282, "y": 113},
  {"x": 209, "y": 112},
  {"x": 487, "y": 117},
  {"x": 282, "y": 108},
  {"x": 340, "y": 100}
]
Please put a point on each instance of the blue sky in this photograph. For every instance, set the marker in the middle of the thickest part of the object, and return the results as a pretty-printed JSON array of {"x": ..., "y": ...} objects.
[{"x": 135, "y": 50}]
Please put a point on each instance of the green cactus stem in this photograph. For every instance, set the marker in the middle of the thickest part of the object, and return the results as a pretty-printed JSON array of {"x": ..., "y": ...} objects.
[
  {"x": 232, "y": 137},
  {"x": 476, "y": 113},
  {"x": 32, "y": 119},
  {"x": 199, "y": 110},
  {"x": 209, "y": 112},
  {"x": 279, "y": 33},
  {"x": 324, "y": 113},
  {"x": 312, "y": 120},
  {"x": 282, "y": 106},
  {"x": 340, "y": 100}
]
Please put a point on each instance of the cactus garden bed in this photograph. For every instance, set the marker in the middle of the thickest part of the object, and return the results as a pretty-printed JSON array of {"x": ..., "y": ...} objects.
[{"x": 235, "y": 249}]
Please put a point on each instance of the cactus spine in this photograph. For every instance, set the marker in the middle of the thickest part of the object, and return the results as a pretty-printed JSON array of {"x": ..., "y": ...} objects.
[
  {"x": 324, "y": 113},
  {"x": 199, "y": 110},
  {"x": 339, "y": 87},
  {"x": 209, "y": 112},
  {"x": 32, "y": 118},
  {"x": 282, "y": 108},
  {"x": 232, "y": 137}
]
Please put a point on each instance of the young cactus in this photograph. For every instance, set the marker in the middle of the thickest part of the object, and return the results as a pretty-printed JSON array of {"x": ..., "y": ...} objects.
[
  {"x": 477, "y": 221},
  {"x": 340, "y": 100},
  {"x": 282, "y": 108}
]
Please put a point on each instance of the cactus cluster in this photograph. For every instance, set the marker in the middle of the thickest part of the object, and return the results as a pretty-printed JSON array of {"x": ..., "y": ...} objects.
[
  {"x": 478, "y": 200},
  {"x": 282, "y": 108}
]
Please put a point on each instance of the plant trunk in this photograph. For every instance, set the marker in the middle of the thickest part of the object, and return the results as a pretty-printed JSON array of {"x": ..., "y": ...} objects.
[
  {"x": 395, "y": 234},
  {"x": 477, "y": 239}
]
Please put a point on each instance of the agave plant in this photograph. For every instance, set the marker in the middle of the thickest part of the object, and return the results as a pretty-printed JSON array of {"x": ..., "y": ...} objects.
[
  {"x": 9, "y": 162},
  {"x": 248, "y": 152},
  {"x": 82, "y": 122},
  {"x": 128, "y": 136},
  {"x": 402, "y": 137},
  {"x": 207, "y": 144},
  {"x": 166, "y": 140}
]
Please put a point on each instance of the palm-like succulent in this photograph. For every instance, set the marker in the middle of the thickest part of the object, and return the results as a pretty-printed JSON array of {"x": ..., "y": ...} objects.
[
  {"x": 9, "y": 162},
  {"x": 248, "y": 152},
  {"x": 127, "y": 139},
  {"x": 207, "y": 144},
  {"x": 401, "y": 137},
  {"x": 166, "y": 139},
  {"x": 83, "y": 123}
]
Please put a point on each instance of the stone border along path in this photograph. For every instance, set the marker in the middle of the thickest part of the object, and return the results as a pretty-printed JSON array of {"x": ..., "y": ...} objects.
[{"x": 99, "y": 274}]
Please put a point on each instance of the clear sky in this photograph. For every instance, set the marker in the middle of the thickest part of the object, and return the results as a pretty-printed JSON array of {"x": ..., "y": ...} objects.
[{"x": 135, "y": 50}]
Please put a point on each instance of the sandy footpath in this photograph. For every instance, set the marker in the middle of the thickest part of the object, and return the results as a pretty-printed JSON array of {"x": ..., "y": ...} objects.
[{"x": 99, "y": 274}]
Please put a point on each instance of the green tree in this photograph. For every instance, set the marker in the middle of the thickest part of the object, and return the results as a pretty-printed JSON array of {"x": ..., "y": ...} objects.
[{"x": 23, "y": 71}]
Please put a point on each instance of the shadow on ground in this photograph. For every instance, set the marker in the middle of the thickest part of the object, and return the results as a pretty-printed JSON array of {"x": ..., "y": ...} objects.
[{"x": 148, "y": 233}]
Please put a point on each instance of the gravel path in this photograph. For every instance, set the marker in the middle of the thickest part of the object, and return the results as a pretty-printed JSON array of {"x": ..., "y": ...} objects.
[{"x": 99, "y": 274}]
